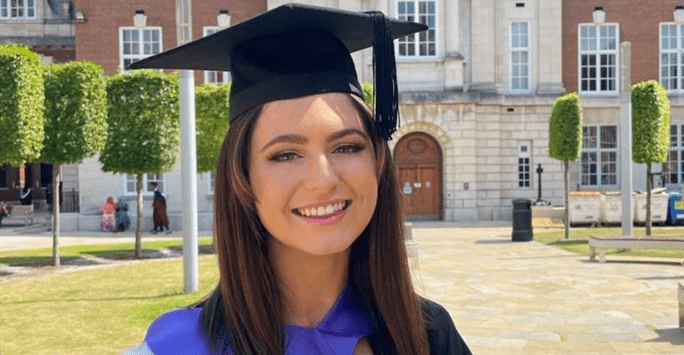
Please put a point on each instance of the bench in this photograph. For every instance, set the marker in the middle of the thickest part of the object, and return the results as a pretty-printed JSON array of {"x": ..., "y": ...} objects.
[
  {"x": 22, "y": 213},
  {"x": 602, "y": 243}
]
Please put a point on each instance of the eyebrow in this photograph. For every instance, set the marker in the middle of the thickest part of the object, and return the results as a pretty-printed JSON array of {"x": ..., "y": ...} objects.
[{"x": 299, "y": 139}]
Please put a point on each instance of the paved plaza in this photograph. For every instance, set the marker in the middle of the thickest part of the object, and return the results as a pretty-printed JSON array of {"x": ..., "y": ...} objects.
[
  {"x": 513, "y": 298},
  {"x": 529, "y": 298}
]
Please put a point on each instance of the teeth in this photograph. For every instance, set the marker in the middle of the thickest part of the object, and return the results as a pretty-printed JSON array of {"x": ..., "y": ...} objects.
[{"x": 321, "y": 210}]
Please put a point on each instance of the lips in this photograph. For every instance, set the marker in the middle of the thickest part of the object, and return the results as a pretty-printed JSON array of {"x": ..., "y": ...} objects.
[{"x": 323, "y": 210}]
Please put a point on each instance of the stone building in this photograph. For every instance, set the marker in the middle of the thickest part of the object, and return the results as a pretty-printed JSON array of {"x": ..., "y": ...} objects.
[
  {"x": 476, "y": 95},
  {"x": 47, "y": 27},
  {"x": 476, "y": 92}
]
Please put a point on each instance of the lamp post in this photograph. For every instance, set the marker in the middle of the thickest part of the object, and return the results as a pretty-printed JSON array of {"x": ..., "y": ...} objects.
[
  {"x": 539, "y": 172},
  {"x": 626, "y": 138},
  {"x": 188, "y": 157}
]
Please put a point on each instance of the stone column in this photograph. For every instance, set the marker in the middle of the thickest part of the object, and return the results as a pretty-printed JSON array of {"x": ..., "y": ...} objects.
[
  {"x": 483, "y": 46},
  {"x": 549, "y": 54}
]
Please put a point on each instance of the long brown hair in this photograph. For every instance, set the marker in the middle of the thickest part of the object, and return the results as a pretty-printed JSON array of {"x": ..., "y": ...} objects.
[{"x": 247, "y": 306}]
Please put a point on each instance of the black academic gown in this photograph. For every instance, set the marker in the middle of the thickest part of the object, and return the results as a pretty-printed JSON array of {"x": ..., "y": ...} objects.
[{"x": 442, "y": 334}]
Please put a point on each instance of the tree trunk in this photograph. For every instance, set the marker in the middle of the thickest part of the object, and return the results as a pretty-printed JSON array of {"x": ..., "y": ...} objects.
[
  {"x": 567, "y": 193},
  {"x": 56, "y": 171},
  {"x": 138, "y": 242},
  {"x": 648, "y": 198}
]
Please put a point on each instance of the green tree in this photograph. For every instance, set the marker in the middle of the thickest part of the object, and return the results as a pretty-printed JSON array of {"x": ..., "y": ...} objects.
[
  {"x": 21, "y": 105},
  {"x": 212, "y": 122},
  {"x": 144, "y": 128},
  {"x": 367, "y": 89},
  {"x": 75, "y": 122},
  {"x": 565, "y": 138},
  {"x": 650, "y": 131}
]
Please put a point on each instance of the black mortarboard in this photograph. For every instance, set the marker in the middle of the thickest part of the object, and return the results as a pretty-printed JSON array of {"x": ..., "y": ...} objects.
[{"x": 298, "y": 50}]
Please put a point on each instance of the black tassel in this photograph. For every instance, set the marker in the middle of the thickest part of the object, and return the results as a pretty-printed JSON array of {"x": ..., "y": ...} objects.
[{"x": 385, "y": 91}]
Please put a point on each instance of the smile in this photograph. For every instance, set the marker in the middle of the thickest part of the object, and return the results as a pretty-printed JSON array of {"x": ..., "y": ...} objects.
[{"x": 322, "y": 211}]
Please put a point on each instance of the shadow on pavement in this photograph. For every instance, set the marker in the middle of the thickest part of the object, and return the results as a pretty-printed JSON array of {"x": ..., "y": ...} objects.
[
  {"x": 674, "y": 336},
  {"x": 493, "y": 241}
]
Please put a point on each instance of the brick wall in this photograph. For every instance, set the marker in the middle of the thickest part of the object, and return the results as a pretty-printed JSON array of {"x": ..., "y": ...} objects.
[
  {"x": 59, "y": 55},
  {"x": 639, "y": 23},
  {"x": 97, "y": 39}
]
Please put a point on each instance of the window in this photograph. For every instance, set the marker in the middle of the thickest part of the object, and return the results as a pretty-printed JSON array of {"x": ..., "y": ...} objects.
[
  {"x": 598, "y": 52},
  {"x": 130, "y": 181},
  {"x": 138, "y": 43},
  {"x": 216, "y": 77},
  {"x": 17, "y": 9},
  {"x": 673, "y": 169},
  {"x": 672, "y": 56},
  {"x": 422, "y": 44},
  {"x": 524, "y": 165},
  {"x": 599, "y": 156},
  {"x": 520, "y": 57}
]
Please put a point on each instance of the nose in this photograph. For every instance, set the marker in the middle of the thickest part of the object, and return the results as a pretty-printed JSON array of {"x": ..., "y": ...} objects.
[{"x": 321, "y": 174}]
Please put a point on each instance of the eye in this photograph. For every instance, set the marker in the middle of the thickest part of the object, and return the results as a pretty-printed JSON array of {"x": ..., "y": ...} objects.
[
  {"x": 283, "y": 157},
  {"x": 349, "y": 148}
]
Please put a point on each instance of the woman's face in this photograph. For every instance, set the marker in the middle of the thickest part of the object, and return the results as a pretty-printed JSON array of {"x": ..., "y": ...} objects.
[{"x": 312, "y": 170}]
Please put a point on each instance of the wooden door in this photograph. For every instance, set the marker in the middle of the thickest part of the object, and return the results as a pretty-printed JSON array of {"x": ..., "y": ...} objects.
[
  {"x": 421, "y": 191},
  {"x": 418, "y": 159}
]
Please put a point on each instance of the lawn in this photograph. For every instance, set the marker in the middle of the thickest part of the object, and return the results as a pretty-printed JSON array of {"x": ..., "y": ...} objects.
[
  {"x": 116, "y": 251},
  {"x": 578, "y": 241},
  {"x": 95, "y": 311}
]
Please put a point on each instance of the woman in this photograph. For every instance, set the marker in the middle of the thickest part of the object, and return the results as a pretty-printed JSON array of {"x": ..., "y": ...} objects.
[
  {"x": 159, "y": 217},
  {"x": 122, "y": 220},
  {"x": 309, "y": 229},
  {"x": 108, "y": 215}
]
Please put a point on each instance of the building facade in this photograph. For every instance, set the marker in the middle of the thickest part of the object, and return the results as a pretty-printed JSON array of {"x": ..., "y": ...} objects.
[
  {"x": 113, "y": 34},
  {"x": 592, "y": 33},
  {"x": 476, "y": 92},
  {"x": 47, "y": 27},
  {"x": 476, "y": 95}
]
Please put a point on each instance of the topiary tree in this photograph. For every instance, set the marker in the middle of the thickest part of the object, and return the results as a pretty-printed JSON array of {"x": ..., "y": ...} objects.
[
  {"x": 650, "y": 131},
  {"x": 565, "y": 138},
  {"x": 212, "y": 122},
  {"x": 75, "y": 122},
  {"x": 144, "y": 128},
  {"x": 21, "y": 105}
]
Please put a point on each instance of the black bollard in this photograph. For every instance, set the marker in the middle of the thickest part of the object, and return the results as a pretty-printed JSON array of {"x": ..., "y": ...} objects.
[{"x": 522, "y": 220}]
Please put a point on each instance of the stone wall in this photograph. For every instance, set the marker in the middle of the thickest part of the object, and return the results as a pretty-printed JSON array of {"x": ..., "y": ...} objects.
[{"x": 479, "y": 138}]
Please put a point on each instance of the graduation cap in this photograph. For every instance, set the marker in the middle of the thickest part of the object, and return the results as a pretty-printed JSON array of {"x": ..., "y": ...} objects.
[{"x": 298, "y": 50}]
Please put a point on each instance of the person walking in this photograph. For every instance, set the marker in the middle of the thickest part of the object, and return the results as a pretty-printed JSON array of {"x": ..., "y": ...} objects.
[{"x": 159, "y": 216}]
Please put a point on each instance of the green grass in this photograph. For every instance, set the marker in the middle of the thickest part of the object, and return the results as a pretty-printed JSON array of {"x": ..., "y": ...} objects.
[
  {"x": 116, "y": 251},
  {"x": 578, "y": 241},
  {"x": 96, "y": 311}
]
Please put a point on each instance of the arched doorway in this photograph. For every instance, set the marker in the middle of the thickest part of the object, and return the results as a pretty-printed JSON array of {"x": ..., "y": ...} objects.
[{"x": 419, "y": 163}]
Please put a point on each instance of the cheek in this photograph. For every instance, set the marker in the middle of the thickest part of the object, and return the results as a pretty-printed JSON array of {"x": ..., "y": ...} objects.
[
  {"x": 362, "y": 176},
  {"x": 270, "y": 184}
]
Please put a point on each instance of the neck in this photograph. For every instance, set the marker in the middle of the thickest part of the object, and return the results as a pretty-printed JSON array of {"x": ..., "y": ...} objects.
[{"x": 310, "y": 284}]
